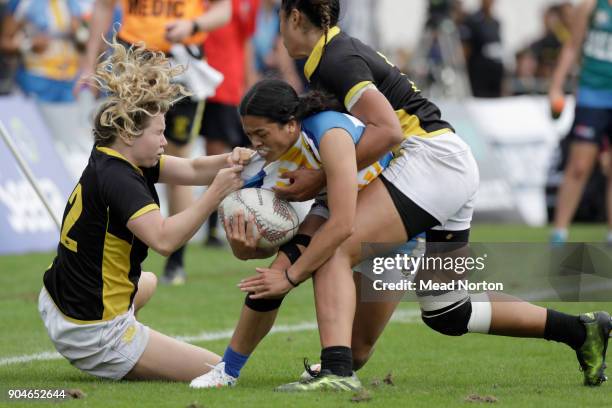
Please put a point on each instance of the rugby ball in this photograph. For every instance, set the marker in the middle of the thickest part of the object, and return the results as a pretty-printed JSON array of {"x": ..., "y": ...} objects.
[{"x": 275, "y": 219}]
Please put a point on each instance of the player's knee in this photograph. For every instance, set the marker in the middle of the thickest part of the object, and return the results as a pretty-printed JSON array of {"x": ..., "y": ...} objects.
[
  {"x": 350, "y": 249},
  {"x": 469, "y": 314},
  {"x": 451, "y": 321},
  {"x": 147, "y": 282},
  {"x": 263, "y": 305},
  {"x": 146, "y": 288}
]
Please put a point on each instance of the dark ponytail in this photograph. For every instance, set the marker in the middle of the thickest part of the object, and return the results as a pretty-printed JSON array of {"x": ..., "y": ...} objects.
[
  {"x": 278, "y": 102},
  {"x": 314, "y": 102},
  {"x": 321, "y": 13}
]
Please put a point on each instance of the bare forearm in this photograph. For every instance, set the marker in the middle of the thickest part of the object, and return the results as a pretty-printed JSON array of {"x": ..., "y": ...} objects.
[
  {"x": 572, "y": 47},
  {"x": 206, "y": 167},
  {"x": 375, "y": 143},
  {"x": 177, "y": 230},
  {"x": 566, "y": 62},
  {"x": 218, "y": 14},
  {"x": 321, "y": 248},
  {"x": 250, "y": 76},
  {"x": 383, "y": 130},
  {"x": 100, "y": 23}
]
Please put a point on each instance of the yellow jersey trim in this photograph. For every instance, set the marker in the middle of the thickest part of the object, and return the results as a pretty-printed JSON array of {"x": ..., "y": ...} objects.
[
  {"x": 436, "y": 133},
  {"x": 351, "y": 94},
  {"x": 411, "y": 126},
  {"x": 162, "y": 161},
  {"x": 117, "y": 288},
  {"x": 317, "y": 52},
  {"x": 144, "y": 210},
  {"x": 114, "y": 153}
]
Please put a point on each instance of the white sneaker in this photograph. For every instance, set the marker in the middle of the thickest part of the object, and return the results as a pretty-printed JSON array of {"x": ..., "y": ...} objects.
[{"x": 215, "y": 378}]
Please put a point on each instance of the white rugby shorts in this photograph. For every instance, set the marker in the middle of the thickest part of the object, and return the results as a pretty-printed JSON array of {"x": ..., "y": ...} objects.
[
  {"x": 440, "y": 175},
  {"x": 108, "y": 349}
]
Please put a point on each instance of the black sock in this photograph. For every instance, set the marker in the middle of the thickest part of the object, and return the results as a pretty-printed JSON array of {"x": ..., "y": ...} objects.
[
  {"x": 212, "y": 225},
  {"x": 564, "y": 328},
  {"x": 338, "y": 360},
  {"x": 176, "y": 258}
]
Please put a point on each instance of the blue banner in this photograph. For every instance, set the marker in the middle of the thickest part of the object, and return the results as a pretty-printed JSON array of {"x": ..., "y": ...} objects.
[{"x": 25, "y": 225}]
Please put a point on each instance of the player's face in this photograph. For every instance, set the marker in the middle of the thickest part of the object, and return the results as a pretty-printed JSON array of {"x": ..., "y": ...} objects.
[
  {"x": 148, "y": 148},
  {"x": 289, "y": 33},
  {"x": 270, "y": 139}
]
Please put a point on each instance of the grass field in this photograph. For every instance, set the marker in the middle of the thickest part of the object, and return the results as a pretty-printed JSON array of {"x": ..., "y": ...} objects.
[{"x": 426, "y": 368}]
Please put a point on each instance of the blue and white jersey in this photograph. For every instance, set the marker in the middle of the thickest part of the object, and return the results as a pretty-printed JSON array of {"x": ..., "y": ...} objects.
[{"x": 305, "y": 153}]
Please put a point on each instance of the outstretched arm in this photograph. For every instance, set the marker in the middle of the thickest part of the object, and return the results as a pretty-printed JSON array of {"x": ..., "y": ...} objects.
[
  {"x": 200, "y": 171},
  {"x": 217, "y": 15},
  {"x": 165, "y": 235}
]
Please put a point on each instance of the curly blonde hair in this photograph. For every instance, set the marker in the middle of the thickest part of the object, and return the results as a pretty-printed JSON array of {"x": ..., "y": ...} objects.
[{"x": 139, "y": 85}]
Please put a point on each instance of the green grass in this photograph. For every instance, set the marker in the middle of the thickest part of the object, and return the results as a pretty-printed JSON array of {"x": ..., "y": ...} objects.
[{"x": 428, "y": 369}]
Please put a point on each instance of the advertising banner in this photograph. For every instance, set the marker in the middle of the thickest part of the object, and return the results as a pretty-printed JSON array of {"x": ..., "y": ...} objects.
[{"x": 25, "y": 225}]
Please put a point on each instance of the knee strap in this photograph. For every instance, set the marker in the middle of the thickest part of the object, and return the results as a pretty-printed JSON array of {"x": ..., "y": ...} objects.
[
  {"x": 451, "y": 320},
  {"x": 263, "y": 305},
  {"x": 291, "y": 248},
  {"x": 470, "y": 314}
]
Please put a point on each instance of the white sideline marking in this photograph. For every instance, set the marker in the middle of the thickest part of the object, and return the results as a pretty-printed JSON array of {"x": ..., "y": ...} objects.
[
  {"x": 44, "y": 356},
  {"x": 400, "y": 316}
]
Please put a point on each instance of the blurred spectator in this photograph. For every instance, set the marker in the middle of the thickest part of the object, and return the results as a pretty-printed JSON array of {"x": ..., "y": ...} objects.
[
  {"x": 590, "y": 42},
  {"x": 266, "y": 34},
  {"x": 42, "y": 32},
  {"x": 439, "y": 11},
  {"x": 547, "y": 48},
  {"x": 524, "y": 81},
  {"x": 444, "y": 60},
  {"x": 7, "y": 62},
  {"x": 359, "y": 20},
  {"x": 226, "y": 51},
  {"x": 270, "y": 56},
  {"x": 483, "y": 52}
]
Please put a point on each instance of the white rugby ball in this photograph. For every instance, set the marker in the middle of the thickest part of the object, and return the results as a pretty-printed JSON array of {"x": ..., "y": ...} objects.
[{"x": 275, "y": 219}]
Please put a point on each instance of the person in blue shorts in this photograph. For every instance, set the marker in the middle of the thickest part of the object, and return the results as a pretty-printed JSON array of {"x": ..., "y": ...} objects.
[{"x": 591, "y": 35}]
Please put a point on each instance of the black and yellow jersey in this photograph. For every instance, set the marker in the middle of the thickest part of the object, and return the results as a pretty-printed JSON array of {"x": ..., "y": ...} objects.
[
  {"x": 95, "y": 274},
  {"x": 344, "y": 67}
]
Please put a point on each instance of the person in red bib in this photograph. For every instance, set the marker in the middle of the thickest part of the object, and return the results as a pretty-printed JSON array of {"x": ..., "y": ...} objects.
[{"x": 227, "y": 50}]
